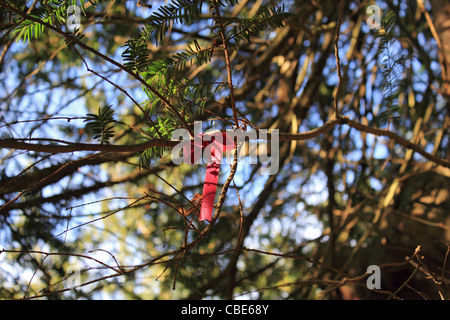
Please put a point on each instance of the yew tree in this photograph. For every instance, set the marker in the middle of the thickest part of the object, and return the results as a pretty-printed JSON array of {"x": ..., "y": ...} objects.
[{"x": 351, "y": 99}]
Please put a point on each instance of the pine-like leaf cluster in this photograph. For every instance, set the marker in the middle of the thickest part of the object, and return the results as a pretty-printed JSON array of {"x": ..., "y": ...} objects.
[
  {"x": 179, "y": 11},
  {"x": 53, "y": 12},
  {"x": 392, "y": 65},
  {"x": 136, "y": 54},
  {"x": 101, "y": 125},
  {"x": 245, "y": 29}
]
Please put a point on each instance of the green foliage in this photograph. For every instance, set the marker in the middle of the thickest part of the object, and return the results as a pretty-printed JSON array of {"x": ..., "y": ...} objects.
[
  {"x": 191, "y": 54},
  {"x": 164, "y": 74},
  {"x": 244, "y": 29},
  {"x": 392, "y": 64},
  {"x": 54, "y": 12},
  {"x": 185, "y": 96},
  {"x": 162, "y": 128},
  {"x": 136, "y": 54},
  {"x": 179, "y": 11},
  {"x": 100, "y": 125}
]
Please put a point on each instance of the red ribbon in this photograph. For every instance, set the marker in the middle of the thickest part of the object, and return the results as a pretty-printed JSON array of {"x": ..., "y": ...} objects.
[{"x": 212, "y": 148}]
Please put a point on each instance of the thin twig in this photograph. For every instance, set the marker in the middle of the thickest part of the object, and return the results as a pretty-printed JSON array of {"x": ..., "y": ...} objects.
[
  {"x": 34, "y": 273},
  {"x": 228, "y": 63},
  {"x": 241, "y": 224},
  {"x": 406, "y": 282},
  {"x": 18, "y": 145},
  {"x": 40, "y": 181},
  {"x": 61, "y": 254}
]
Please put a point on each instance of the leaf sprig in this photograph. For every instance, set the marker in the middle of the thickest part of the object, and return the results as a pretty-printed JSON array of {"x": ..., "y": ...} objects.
[
  {"x": 264, "y": 18},
  {"x": 179, "y": 11},
  {"x": 100, "y": 125},
  {"x": 54, "y": 11},
  {"x": 392, "y": 67}
]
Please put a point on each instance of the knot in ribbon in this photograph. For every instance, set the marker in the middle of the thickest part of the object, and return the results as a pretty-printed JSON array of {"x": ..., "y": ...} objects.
[{"x": 211, "y": 145}]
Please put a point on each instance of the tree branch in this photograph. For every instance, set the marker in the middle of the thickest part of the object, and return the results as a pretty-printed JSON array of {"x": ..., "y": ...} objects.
[
  {"x": 389, "y": 134},
  {"x": 73, "y": 147}
]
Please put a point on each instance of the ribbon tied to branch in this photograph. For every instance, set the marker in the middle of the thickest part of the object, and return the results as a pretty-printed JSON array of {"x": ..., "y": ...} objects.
[{"x": 210, "y": 145}]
